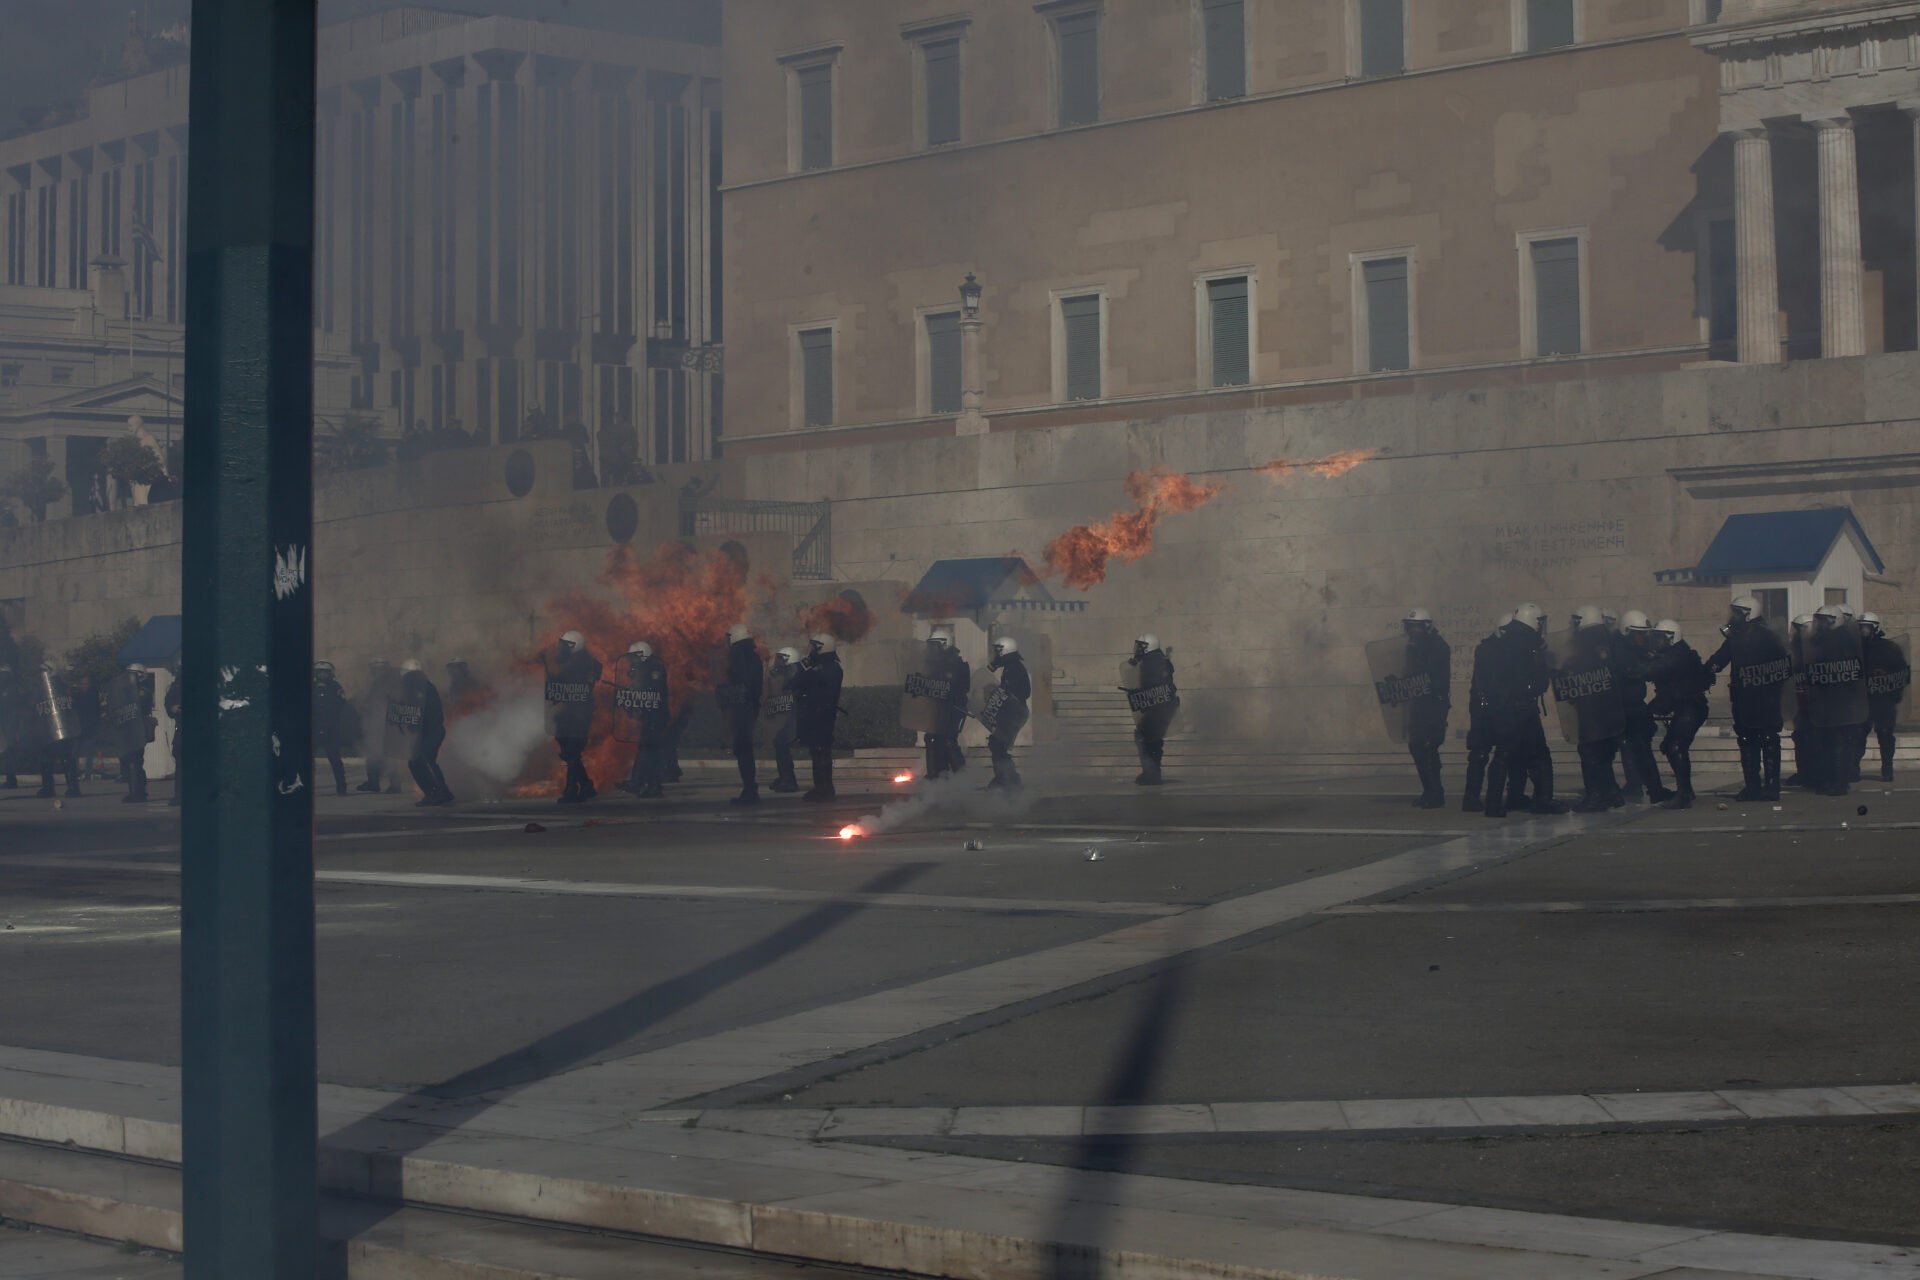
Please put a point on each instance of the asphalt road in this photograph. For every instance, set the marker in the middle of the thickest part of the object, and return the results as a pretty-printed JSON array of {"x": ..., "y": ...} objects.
[{"x": 1724, "y": 947}]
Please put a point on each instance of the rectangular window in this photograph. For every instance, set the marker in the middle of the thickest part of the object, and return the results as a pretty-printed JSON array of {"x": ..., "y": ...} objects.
[
  {"x": 1834, "y": 595},
  {"x": 1227, "y": 331},
  {"x": 816, "y": 116},
  {"x": 1549, "y": 24},
  {"x": 1773, "y": 602},
  {"x": 943, "y": 362},
  {"x": 63, "y": 375},
  {"x": 16, "y": 237},
  {"x": 1384, "y": 281},
  {"x": 1556, "y": 296},
  {"x": 1723, "y": 297},
  {"x": 10, "y": 375},
  {"x": 816, "y": 377},
  {"x": 1077, "y": 40},
  {"x": 943, "y": 91},
  {"x": 1383, "y": 37},
  {"x": 1080, "y": 338},
  {"x": 1225, "y": 23}
]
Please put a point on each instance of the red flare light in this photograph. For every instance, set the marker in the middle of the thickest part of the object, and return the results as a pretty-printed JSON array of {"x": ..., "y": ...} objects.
[
  {"x": 1080, "y": 555},
  {"x": 903, "y": 777},
  {"x": 849, "y": 832}
]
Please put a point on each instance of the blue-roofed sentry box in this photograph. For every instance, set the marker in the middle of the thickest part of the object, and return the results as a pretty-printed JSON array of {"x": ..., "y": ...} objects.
[
  {"x": 156, "y": 645},
  {"x": 980, "y": 585},
  {"x": 1799, "y": 559}
]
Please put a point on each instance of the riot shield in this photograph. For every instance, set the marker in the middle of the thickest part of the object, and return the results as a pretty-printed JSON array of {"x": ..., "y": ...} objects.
[
  {"x": 1893, "y": 681},
  {"x": 1585, "y": 691},
  {"x": 126, "y": 714},
  {"x": 632, "y": 704},
  {"x": 923, "y": 699},
  {"x": 403, "y": 726},
  {"x": 53, "y": 703},
  {"x": 1393, "y": 688},
  {"x": 1142, "y": 700},
  {"x": 1836, "y": 679},
  {"x": 989, "y": 702},
  {"x": 778, "y": 704}
]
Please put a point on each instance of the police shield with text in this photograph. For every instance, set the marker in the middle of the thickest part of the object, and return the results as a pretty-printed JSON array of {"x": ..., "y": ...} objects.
[
  {"x": 1004, "y": 710},
  {"x": 329, "y": 721},
  {"x": 1586, "y": 686},
  {"x": 131, "y": 723},
  {"x": 1836, "y": 695},
  {"x": 1889, "y": 681},
  {"x": 640, "y": 716},
  {"x": 59, "y": 730},
  {"x": 949, "y": 681},
  {"x": 1147, "y": 680},
  {"x": 816, "y": 706},
  {"x": 779, "y": 710},
  {"x": 382, "y": 683},
  {"x": 739, "y": 696},
  {"x": 1680, "y": 682},
  {"x": 571, "y": 680},
  {"x": 1637, "y": 642},
  {"x": 1429, "y": 665},
  {"x": 1757, "y": 666}
]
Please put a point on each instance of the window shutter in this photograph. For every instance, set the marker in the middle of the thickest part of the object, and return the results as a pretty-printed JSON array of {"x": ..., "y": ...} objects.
[
  {"x": 816, "y": 376},
  {"x": 816, "y": 117},
  {"x": 943, "y": 92},
  {"x": 1080, "y": 321},
  {"x": 943, "y": 362},
  {"x": 1549, "y": 23},
  {"x": 1226, "y": 28},
  {"x": 1386, "y": 285},
  {"x": 1079, "y": 40},
  {"x": 1383, "y": 35},
  {"x": 1556, "y": 293},
  {"x": 1227, "y": 323}
]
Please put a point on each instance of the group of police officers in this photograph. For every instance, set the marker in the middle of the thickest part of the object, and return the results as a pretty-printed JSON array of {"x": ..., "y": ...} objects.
[
  {"x": 1839, "y": 679},
  {"x": 46, "y": 720}
]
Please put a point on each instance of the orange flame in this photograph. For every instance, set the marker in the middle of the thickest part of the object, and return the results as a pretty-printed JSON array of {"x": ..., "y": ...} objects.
[
  {"x": 845, "y": 620},
  {"x": 1080, "y": 555},
  {"x": 1334, "y": 465},
  {"x": 903, "y": 777},
  {"x": 849, "y": 832}
]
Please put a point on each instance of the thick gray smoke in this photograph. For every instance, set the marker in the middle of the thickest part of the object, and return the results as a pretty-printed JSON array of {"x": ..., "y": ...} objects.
[
  {"x": 949, "y": 799},
  {"x": 497, "y": 740}
]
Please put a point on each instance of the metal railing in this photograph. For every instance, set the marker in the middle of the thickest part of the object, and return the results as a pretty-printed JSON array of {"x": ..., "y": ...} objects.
[{"x": 810, "y": 523}]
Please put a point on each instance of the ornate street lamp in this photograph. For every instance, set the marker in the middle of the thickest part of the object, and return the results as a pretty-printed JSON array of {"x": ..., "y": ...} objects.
[{"x": 970, "y": 291}]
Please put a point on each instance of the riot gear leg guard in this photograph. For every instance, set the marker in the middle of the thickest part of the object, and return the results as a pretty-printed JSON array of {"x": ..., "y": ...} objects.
[
  {"x": 1770, "y": 767},
  {"x": 936, "y": 757},
  {"x": 1752, "y": 788},
  {"x": 1477, "y": 760},
  {"x": 1883, "y": 721},
  {"x": 1499, "y": 769},
  {"x": 783, "y": 767},
  {"x": 133, "y": 769},
  {"x": 822, "y": 760}
]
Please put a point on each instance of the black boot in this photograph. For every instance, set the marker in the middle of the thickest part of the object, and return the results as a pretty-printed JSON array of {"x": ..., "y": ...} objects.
[
  {"x": 1754, "y": 788},
  {"x": 749, "y": 794},
  {"x": 1770, "y": 769}
]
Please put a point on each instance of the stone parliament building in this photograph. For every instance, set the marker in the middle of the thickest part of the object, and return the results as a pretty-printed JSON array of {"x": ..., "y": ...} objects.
[{"x": 1589, "y": 278}]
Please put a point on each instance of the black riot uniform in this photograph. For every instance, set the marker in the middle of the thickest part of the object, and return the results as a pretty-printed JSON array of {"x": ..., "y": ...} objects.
[
  {"x": 779, "y": 708},
  {"x": 1517, "y": 676},
  {"x": 1680, "y": 682},
  {"x": 58, "y": 708},
  {"x": 816, "y": 703},
  {"x": 1590, "y": 678},
  {"x": 420, "y": 701},
  {"x": 16, "y": 728},
  {"x": 1835, "y": 672},
  {"x": 329, "y": 721},
  {"x": 570, "y": 687},
  {"x": 382, "y": 683},
  {"x": 1637, "y": 761},
  {"x": 643, "y": 701},
  {"x": 1887, "y": 678},
  {"x": 1159, "y": 702},
  {"x": 131, "y": 726},
  {"x": 1008, "y": 709},
  {"x": 1757, "y": 664},
  {"x": 944, "y": 755},
  {"x": 739, "y": 696},
  {"x": 1480, "y": 736},
  {"x": 1429, "y": 667},
  {"x": 171, "y": 704}
]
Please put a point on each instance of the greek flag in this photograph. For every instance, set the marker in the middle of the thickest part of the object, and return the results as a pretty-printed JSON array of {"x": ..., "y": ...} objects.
[{"x": 144, "y": 241}]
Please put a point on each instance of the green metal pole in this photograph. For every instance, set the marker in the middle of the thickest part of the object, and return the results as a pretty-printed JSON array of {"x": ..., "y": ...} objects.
[{"x": 246, "y": 830}]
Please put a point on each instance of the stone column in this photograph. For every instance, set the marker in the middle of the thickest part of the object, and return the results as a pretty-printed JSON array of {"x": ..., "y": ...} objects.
[
  {"x": 1759, "y": 284},
  {"x": 972, "y": 421},
  {"x": 1843, "y": 327}
]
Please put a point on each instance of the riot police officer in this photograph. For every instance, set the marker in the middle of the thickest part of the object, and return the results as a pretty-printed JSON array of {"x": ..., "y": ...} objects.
[
  {"x": 1757, "y": 665},
  {"x": 644, "y": 702},
  {"x": 816, "y": 705},
  {"x": 171, "y": 704},
  {"x": 1008, "y": 709},
  {"x": 382, "y": 683},
  {"x": 1887, "y": 678},
  {"x": 329, "y": 711},
  {"x": 780, "y": 710},
  {"x": 570, "y": 685},
  {"x": 1806, "y": 755},
  {"x": 1680, "y": 682},
  {"x": 1588, "y": 678},
  {"x": 1155, "y": 700},
  {"x": 15, "y": 727},
  {"x": 739, "y": 697},
  {"x": 1836, "y": 694},
  {"x": 1515, "y": 678},
  {"x": 423, "y": 757},
  {"x": 1429, "y": 668},
  {"x": 1637, "y": 642},
  {"x": 130, "y": 713},
  {"x": 58, "y": 715},
  {"x": 1479, "y": 724},
  {"x": 944, "y": 663}
]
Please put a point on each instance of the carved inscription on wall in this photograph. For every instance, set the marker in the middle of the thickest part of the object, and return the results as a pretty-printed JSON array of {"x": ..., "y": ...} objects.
[{"x": 1557, "y": 544}]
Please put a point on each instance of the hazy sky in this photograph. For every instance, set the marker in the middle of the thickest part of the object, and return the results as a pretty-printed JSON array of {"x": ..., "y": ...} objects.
[{"x": 50, "y": 49}]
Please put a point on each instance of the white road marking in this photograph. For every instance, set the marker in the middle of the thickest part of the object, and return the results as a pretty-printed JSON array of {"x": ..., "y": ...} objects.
[{"x": 1625, "y": 905}]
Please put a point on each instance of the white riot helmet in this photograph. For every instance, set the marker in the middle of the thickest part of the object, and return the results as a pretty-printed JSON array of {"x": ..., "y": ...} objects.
[
  {"x": 1587, "y": 617},
  {"x": 1004, "y": 646},
  {"x": 1870, "y": 624},
  {"x": 319, "y": 665},
  {"x": 1417, "y": 620},
  {"x": 140, "y": 668},
  {"x": 1745, "y": 609},
  {"x": 1531, "y": 615},
  {"x": 1610, "y": 617},
  {"x": 823, "y": 642},
  {"x": 411, "y": 664},
  {"x": 1803, "y": 623},
  {"x": 640, "y": 649},
  {"x": 941, "y": 637},
  {"x": 788, "y": 656},
  {"x": 1828, "y": 616},
  {"x": 738, "y": 632},
  {"x": 1506, "y": 620},
  {"x": 572, "y": 642},
  {"x": 1146, "y": 643},
  {"x": 1635, "y": 622},
  {"x": 1668, "y": 630}
]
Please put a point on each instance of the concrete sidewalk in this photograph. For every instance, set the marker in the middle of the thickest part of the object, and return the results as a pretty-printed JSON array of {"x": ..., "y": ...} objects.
[{"x": 620, "y": 1169}]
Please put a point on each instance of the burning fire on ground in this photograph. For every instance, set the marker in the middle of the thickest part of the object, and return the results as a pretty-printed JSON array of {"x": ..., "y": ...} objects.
[{"x": 850, "y": 831}]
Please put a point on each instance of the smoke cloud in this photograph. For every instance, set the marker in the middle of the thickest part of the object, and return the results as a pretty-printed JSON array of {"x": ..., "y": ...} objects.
[{"x": 496, "y": 740}]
